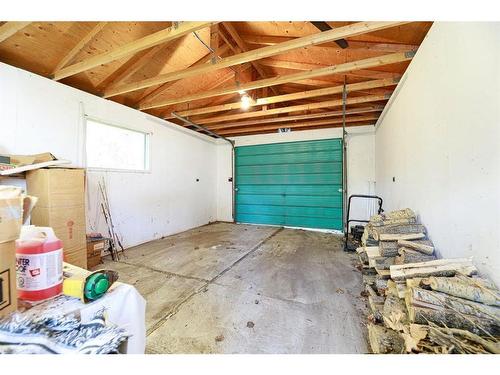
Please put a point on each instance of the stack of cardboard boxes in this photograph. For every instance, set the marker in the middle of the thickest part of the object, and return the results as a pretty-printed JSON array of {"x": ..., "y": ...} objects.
[
  {"x": 61, "y": 205},
  {"x": 14, "y": 209}
]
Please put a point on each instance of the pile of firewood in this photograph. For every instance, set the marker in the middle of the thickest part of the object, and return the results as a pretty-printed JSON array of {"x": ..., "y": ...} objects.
[{"x": 421, "y": 304}]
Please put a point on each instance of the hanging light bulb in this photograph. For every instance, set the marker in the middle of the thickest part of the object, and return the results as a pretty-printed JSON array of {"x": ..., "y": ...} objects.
[{"x": 246, "y": 101}]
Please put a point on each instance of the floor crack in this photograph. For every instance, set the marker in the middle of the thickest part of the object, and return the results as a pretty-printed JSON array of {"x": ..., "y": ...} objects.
[{"x": 176, "y": 309}]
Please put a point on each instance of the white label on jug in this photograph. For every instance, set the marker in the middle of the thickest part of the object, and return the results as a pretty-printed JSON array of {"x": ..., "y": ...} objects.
[{"x": 39, "y": 271}]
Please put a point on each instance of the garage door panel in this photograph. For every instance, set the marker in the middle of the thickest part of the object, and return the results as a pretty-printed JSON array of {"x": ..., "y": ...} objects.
[
  {"x": 292, "y": 158},
  {"x": 291, "y": 147},
  {"x": 317, "y": 212},
  {"x": 291, "y": 179},
  {"x": 308, "y": 222},
  {"x": 293, "y": 184},
  {"x": 290, "y": 200},
  {"x": 262, "y": 219},
  {"x": 260, "y": 199},
  {"x": 311, "y": 201},
  {"x": 302, "y": 168},
  {"x": 290, "y": 189}
]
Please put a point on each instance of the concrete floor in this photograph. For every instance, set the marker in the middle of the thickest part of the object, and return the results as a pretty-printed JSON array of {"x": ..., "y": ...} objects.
[{"x": 227, "y": 288}]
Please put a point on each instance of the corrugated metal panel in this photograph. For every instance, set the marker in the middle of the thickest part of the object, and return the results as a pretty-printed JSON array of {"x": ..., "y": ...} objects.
[{"x": 295, "y": 184}]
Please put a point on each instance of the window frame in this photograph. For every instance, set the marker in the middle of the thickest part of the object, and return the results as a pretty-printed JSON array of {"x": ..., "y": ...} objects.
[{"x": 147, "y": 147}]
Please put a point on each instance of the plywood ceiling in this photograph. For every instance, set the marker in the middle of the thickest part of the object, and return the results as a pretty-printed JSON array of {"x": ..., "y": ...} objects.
[{"x": 293, "y": 72}]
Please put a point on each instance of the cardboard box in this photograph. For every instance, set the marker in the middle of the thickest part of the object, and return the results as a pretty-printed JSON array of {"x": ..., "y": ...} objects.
[
  {"x": 8, "y": 289},
  {"x": 11, "y": 218},
  {"x": 61, "y": 205},
  {"x": 94, "y": 252}
]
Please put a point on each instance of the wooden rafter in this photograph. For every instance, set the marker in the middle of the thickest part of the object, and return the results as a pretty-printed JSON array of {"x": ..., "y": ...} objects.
[
  {"x": 294, "y": 108},
  {"x": 173, "y": 32},
  {"x": 318, "y": 38},
  {"x": 350, "y": 66},
  {"x": 297, "y": 125},
  {"x": 243, "y": 46},
  {"x": 132, "y": 65},
  {"x": 371, "y": 46},
  {"x": 68, "y": 58},
  {"x": 10, "y": 28},
  {"x": 287, "y": 118},
  {"x": 153, "y": 92},
  {"x": 294, "y": 96},
  {"x": 329, "y": 126},
  {"x": 292, "y": 65}
]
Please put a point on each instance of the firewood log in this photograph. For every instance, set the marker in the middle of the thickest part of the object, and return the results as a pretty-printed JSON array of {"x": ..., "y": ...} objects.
[
  {"x": 384, "y": 340},
  {"x": 442, "y": 309},
  {"x": 398, "y": 229},
  {"x": 438, "y": 267},
  {"x": 398, "y": 236},
  {"x": 464, "y": 287},
  {"x": 384, "y": 262},
  {"x": 425, "y": 249},
  {"x": 395, "y": 314},
  {"x": 388, "y": 249},
  {"x": 411, "y": 256}
]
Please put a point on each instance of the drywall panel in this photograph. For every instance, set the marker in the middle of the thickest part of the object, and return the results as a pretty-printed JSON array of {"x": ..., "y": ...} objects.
[
  {"x": 42, "y": 115},
  {"x": 360, "y": 158},
  {"x": 438, "y": 143}
]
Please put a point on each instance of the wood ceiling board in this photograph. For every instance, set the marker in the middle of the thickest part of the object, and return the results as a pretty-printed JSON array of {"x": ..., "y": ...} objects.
[
  {"x": 124, "y": 50},
  {"x": 292, "y": 109},
  {"x": 350, "y": 119},
  {"x": 361, "y": 64},
  {"x": 249, "y": 56},
  {"x": 330, "y": 92},
  {"x": 41, "y": 45},
  {"x": 270, "y": 131},
  {"x": 281, "y": 28},
  {"x": 297, "y": 118},
  {"x": 410, "y": 33}
]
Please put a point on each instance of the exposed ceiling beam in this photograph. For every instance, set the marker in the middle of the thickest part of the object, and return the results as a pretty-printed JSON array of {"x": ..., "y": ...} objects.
[
  {"x": 229, "y": 75},
  {"x": 334, "y": 69},
  {"x": 78, "y": 47},
  {"x": 318, "y": 38},
  {"x": 266, "y": 40},
  {"x": 294, "y": 96},
  {"x": 236, "y": 37},
  {"x": 292, "y": 65},
  {"x": 10, "y": 28},
  {"x": 135, "y": 63},
  {"x": 153, "y": 92},
  {"x": 324, "y": 26},
  {"x": 287, "y": 118},
  {"x": 297, "y": 125},
  {"x": 294, "y": 108},
  {"x": 252, "y": 132},
  {"x": 173, "y": 32}
]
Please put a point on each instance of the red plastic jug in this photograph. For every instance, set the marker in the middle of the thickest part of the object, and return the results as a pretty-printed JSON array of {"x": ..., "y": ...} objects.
[{"x": 39, "y": 263}]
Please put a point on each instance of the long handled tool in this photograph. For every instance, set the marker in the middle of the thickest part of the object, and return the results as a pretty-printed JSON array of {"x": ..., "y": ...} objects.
[{"x": 109, "y": 221}]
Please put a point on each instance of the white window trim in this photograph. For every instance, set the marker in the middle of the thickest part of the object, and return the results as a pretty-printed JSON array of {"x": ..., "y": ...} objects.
[{"x": 147, "y": 147}]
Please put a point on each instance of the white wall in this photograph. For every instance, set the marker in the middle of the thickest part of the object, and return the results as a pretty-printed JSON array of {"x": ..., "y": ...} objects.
[
  {"x": 360, "y": 156},
  {"x": 440, "y": 139},
  {"x": 38, "y": 115}
]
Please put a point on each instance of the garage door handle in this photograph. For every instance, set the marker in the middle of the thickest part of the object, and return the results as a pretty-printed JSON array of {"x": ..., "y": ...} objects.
[
  {"x": 341, "y": 190},
  {"x": 236, "y": 189}
]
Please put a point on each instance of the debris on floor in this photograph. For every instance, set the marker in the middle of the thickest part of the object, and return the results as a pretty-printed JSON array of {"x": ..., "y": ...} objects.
[
  {"x": 250, "y": 324},
  {"x": 219, "y": 338},
  {"x": 421, "y": 304}
]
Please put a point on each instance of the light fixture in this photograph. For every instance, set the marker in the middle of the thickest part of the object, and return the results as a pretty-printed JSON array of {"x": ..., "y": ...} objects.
[{"x": 246, "y": 101}]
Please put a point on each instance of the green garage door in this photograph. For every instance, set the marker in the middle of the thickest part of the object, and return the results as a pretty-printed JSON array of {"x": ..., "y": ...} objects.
[{"x": 296, "y": 184}]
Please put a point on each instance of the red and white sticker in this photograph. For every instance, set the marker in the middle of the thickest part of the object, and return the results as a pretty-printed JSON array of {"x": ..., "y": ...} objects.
[{"x": 39, "y": 271}]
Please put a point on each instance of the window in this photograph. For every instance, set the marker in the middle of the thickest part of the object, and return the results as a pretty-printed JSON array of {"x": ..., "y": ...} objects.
[{"x": 113, "y": 147}]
